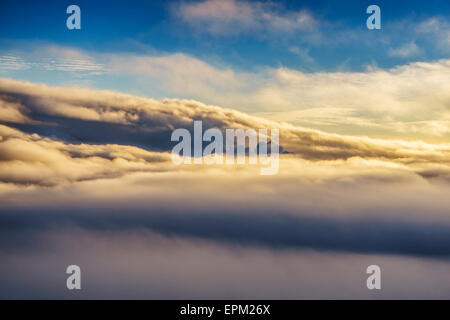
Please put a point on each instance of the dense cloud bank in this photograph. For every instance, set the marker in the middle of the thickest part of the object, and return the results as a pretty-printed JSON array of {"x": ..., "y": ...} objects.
[
  {"x": 92, "y": 116},
  {"x": 78, "y": 162},
  {"x": 141, "y": 264},
  {"x": 275, "y": 230}
]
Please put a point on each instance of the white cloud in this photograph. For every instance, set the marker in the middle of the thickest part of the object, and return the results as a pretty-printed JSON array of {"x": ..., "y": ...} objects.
[
  {"x": 179, "y": 74},
  {"x": 406, "y": 101},
  {"x": 437, "y": 31},
  {"x": 155, "y": 118},
  {"x": 11, "y": 62},
  {"x": 409, "y": 100},
  {"x": 52, "y": 58},
  {"x": 232, "y": 17},
  {"x": 302, "y": 53},
  {"x": 407, "y": 50}
]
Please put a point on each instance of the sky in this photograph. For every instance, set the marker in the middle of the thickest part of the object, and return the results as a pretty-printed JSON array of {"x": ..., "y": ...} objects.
[
  {"x": 262, "y": 58},
  {"x": 87, "y": 176},
  {"x": 245, "y": 35}
]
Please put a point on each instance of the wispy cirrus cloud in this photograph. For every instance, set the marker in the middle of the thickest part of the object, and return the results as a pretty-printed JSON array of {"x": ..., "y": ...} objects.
[
  {"x": 11, "y": 62},
  {"x": 406, "y": 39},
  {"x": 237, "y": 17},
  {"x": 52, "y": 58},
  {"x": 407, "y": 50},
  {"x": 436, "y": 29}
]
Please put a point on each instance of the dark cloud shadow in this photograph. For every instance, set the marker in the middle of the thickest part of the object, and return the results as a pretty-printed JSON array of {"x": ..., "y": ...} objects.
[{"x": 267, "y": 229}]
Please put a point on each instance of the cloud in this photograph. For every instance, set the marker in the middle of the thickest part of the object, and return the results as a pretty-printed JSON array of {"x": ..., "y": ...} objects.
[
  {"x": 78, "y": 134},
  {"x": 13, "y": 112},
  {"x": 407, "y": 50},
  {"x": 234, "y": 17},
  {"x": 52, "y": 58},
  {"x": 180, "y": 74},
  {"x": 32, "y": 159},
  {"x": 407, "y": 39},
  {"x": 141, "y": 264},
  {"x": 80, "y": 111},
  {"x": 436, "y": 29},
  {"x": 276, "y": 229},
  {"x": 10, "y": 62},
  {"x": 407, "y": 101},
  {"x": 92, "y": 165},
  {"x": 302, "y": 53}
]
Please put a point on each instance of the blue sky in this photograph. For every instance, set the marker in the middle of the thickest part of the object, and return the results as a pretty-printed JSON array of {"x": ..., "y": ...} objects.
[{"x": 156, "y": 26}]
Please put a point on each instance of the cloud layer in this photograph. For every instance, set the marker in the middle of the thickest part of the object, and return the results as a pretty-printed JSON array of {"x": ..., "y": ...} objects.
[
  {"x": 408, "y": 101},
  {"x": 77, "y": 161}
]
